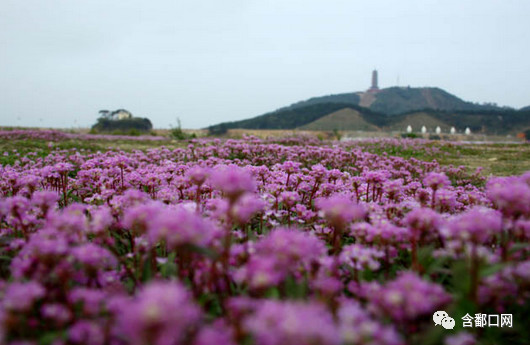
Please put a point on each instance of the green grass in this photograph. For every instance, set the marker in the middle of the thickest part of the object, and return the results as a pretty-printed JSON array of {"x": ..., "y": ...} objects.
[
  {"x": 42, "y": 148},
  {"x": 496, "y": 159}
]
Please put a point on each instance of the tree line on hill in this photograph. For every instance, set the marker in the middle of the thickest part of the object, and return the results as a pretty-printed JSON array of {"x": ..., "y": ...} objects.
[
  {"x": 387, "y": 109},
  {"x": 501, "y": 121}
]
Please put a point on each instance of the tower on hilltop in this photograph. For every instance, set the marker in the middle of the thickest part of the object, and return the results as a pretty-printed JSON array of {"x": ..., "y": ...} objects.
[{"x": 374, "y": 87}]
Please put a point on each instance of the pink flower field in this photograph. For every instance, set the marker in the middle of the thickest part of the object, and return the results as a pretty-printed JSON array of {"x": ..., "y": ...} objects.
[{"x": 266, "y": 242}]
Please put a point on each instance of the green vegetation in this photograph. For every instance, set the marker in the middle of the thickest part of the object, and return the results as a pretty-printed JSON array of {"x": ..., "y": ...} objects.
[
  {"x": 346, "y": 119},
  {"x": 397, "y": 100},
  {"x": 217, "y": 130},
  {"x": 495, "y": 159},
  {"x": 479, "y": 121},
  {"x": 328, "y": 116},
  {"x": 132, "y": 126},
  {"x": 392, "y": 110},
  {"x": 343, "y": 98},
  {"x": 292, "y": 118},
  {"x": 409, "y": 135},
  {"x": 178, "y": 134},
  {"x": 14, "y": 150}
]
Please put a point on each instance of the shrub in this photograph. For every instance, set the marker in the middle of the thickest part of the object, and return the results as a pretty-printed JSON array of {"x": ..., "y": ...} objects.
[
  {"x": 220, "y": 129},
  {"x": 409, "y": 135},
  {"x": 136, "y": 124},
  {"x": 178, "y": 134}
]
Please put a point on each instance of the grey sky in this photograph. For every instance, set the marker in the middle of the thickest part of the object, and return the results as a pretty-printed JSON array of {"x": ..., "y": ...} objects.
[{"x": 61, "y": 61}]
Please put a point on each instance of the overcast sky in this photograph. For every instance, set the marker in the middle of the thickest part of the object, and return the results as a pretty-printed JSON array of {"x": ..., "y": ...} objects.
[{"x": 208, "y": 61}]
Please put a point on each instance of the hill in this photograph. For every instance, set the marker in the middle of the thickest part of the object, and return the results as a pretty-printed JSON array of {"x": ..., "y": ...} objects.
[
  {"x": 338, "y": 116},
  {"x": 500, "y": 122},
  {"x": 390, "y": 109},
  {"x": 417, "y": 120},
  {"x": 343, "y": 98},
  {"x": 507, "y": 121},
  {"x": 290, "y": 118},
  {"x": 398, "y": 100},
  {"x": 346, "y": 119}
]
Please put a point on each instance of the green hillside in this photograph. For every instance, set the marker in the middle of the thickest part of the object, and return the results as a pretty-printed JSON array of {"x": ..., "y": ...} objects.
[
  {"x": 336, "y": 116},
  {"x": 290, "y": 118},
  {"x": 493, "y": 122},
  {"x": 343, "y": 98},
  {"x": 416, "y": 120},
  {"x": 391, "y": 109},
  {"x": 398, "y": 100},
  {"x": 346, "y": 119},
  {"x": 488, "y": 122}
]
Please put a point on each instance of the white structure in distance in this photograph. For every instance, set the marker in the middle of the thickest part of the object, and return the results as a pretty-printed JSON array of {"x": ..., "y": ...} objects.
[
  {"x": 120, "y": 114},
  {"x": 453, "y": 130},
  {"x": 409, "y": 129},
  {"x": 468, "y": 131},
  {"x": 438, "y": 130},
  {"x": 423, "y": 129}
]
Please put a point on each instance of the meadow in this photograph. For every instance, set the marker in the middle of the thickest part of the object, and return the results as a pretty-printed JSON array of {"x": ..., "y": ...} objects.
[{"x": 285, "y": 240}]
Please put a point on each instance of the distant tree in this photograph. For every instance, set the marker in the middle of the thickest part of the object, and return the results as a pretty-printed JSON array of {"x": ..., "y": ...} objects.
[
  {"x": 106, "y": 125},
  {"x": 219, "y": 129},
  {"x": 105, "y": 113},
  {"x": 409, "y": 135}
]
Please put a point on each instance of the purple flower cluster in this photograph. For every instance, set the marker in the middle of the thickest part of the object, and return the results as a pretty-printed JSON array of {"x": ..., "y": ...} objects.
[
  {"x": 407, "y": 297},
  {"x": 265, "y": 242},
  {"x": 277, "y": 323},
  {"x": 56, "y": 135},
  {"x": 162, "y": 313}
]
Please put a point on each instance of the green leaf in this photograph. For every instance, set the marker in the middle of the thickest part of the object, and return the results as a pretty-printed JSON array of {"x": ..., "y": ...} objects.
[
  {"x": 368, "y": 275},
  {"x": 147, "y": 272},
  {"x": 273, "y": 293},
  {"x": 518, "y": 246},
  {"x": 294, "y": 289},
  {"x": 425, "y": 256},
  {"x": 488, "y": 270},
  {"x": 51, "y": 337},
  {"x": 461, "y": 279},
  {"x": 169, "y": 269},
  {"x": 203, "y": 251}
]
